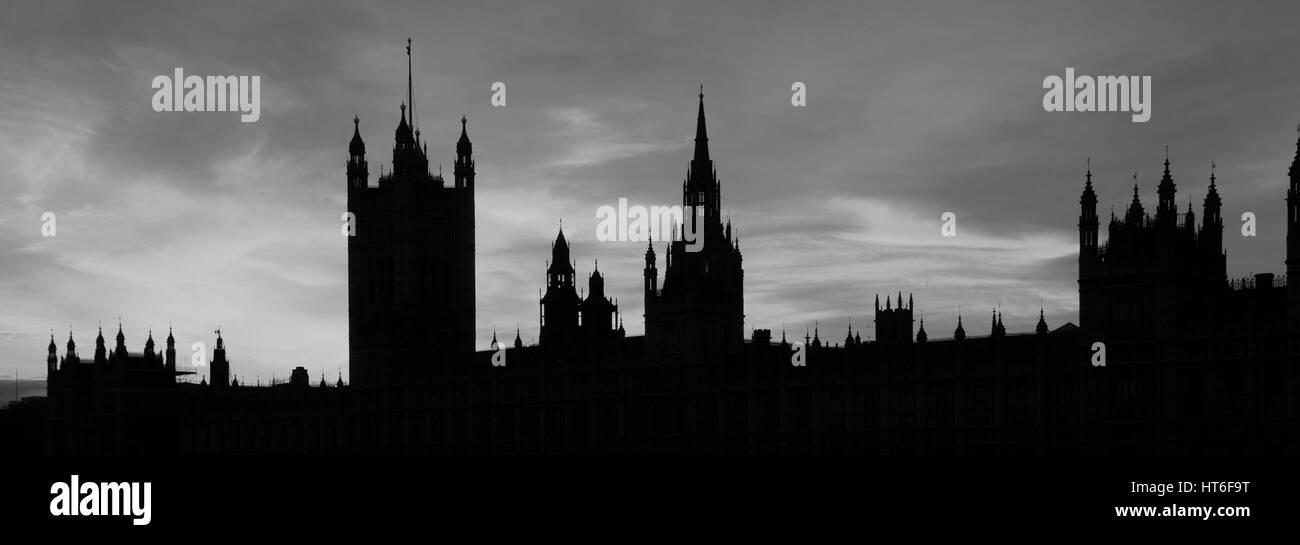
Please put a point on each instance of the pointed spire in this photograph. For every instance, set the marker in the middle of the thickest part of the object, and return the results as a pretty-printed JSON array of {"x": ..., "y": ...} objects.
[
  {"x": 1212, "y": 203},
  {"x": 101, "y": 352},
  {"x": 121, "y": 338},
  {"x": 403, "y": 134},
  {"x": 1166, "y": 190},
  {"x": 1089, "y": 197},
  {"x": 1042, "y": 321},
  {"x": 1136, "y": 214},
  {"x": 463, "y": 146},
  {"x": 560, "y": 263},
  {"x": 357, "y": 147},
  {"x": 701, "y": 134}
]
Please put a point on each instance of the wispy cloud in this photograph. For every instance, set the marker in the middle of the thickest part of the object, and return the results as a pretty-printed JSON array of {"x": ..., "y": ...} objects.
[{"x": 914, "y": 109}]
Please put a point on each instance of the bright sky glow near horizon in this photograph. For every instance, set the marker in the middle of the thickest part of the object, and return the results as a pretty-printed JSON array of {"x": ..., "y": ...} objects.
[{"x": 914, "y": 109}]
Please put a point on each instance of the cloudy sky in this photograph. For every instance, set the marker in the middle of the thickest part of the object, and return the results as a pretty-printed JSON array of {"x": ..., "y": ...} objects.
[{"x": 913, "y": 109}]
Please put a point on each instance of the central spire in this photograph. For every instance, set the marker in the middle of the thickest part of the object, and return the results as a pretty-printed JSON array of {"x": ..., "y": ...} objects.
[{"x": 701, "y": 134}]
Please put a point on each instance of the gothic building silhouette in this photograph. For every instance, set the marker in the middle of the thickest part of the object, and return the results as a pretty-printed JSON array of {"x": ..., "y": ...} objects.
[
  {"x": 566, "y": 318},
  {"x": 698, "y": 313},
  {"x": 1195, "y": 362},
  {"x": 410, "y": 260}
]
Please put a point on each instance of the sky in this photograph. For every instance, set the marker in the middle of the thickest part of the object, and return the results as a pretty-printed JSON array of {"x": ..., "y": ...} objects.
[{"x": 197, "y": 221}]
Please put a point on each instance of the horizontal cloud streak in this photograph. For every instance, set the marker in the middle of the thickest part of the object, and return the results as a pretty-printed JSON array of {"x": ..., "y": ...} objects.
[{"x": 199, "y": 221}]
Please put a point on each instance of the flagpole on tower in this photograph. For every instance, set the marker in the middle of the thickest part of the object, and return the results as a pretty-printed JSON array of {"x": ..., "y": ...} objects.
[{"x": 410, "y": 88}]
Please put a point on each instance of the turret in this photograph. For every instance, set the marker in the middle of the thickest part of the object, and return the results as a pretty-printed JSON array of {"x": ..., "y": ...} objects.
[
  {"x": 597, "y": 310},
  {"x": 1167, "y": 209},
  {"x": 1136, "y": 215},
  {"x": 464, "y": 170},
  {"x": 358, "y": 168},
  {"x": 149, "y": 348},
  {"x": 1212, "y": 218},
  {"x": 559, "y": 272},
  {"x": 408, "y": 158},
  {"x": 101, "y": 351},
  {"x": 71, "y": 353},
  {"x": 560, "y": 304},
  {"x": 220, "y": 365},
  {"x": 52, "y": 360},
  {"x": 650, "y": 273},
  {"x": 119, "y": 349},
  {"x": 1088, "y": 223},
  {"x": 170, "y": 354}
]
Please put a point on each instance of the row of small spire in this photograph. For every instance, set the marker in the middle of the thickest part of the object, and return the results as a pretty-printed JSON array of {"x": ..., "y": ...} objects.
[
  {"x": 1166, "y": 188},
  {"x": 997, "y": 329},
  {"x": 121, "y": 341}
]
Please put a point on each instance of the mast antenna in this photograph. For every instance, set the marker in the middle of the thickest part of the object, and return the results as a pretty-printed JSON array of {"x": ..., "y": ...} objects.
[{"x": 410, "y": 87}]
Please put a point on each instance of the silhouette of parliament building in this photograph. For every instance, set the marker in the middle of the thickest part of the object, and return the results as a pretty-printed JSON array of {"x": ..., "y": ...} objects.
[{"x": 1195, "y": 362}]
